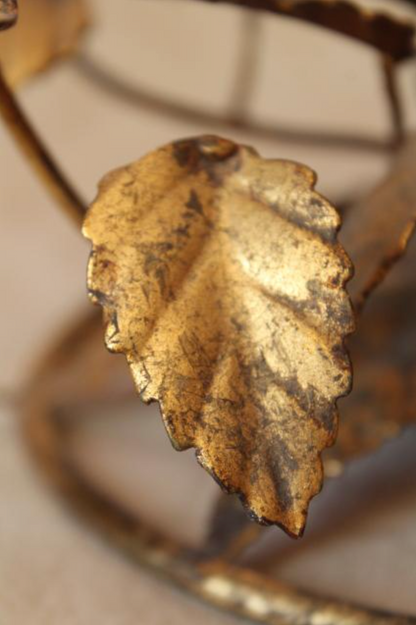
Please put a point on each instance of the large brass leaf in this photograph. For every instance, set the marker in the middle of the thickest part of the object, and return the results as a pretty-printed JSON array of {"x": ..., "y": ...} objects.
[
  {"x": 46, "y": 30},
  {"x": 223, "y": 282},
  {"x": 8, "y": 13}
]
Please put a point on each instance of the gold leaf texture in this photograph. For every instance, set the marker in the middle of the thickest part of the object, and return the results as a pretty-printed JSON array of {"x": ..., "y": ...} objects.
[
  {"x": 386, "y": 32},
  {"x": 222, "y": 281},
  {"x": 8, "y": 13},
  {"x": 45, "y": 31}
]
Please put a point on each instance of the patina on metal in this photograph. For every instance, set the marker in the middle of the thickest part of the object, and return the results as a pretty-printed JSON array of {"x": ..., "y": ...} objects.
[{"x": 223, "y": 283}]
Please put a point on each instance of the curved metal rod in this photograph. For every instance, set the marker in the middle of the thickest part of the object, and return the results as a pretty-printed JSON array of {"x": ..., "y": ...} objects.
[
  {"x": 386, "y": 33},
  {"x": 391, "y": 88},
  {"x": 247, "y": 65},
  {"x": 234, "y": 589},
  {"x": 38, "y": 156},
  {"x": 137, "y": 96}
]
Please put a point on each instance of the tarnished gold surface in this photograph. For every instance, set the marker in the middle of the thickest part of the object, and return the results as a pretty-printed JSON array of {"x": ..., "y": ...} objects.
[
  {"x": 8, "y": 13},
  {"x": 223, "y": 283},
  {"x": 378, "y": 229},
  {"x": 46, "y": 30},
  {"x": 385, "y": 32}
]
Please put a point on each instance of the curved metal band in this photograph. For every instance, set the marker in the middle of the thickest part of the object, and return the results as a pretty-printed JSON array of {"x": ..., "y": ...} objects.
[
  {"x": 234, "y": 589},
  {"x": 378, "y": 29}
]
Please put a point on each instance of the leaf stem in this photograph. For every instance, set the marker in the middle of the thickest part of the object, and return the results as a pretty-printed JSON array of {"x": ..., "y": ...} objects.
[
  {"x": 38, "y": 156},
  {"x": 250, "y": 37},
  {"x": 396, "y": 110}
]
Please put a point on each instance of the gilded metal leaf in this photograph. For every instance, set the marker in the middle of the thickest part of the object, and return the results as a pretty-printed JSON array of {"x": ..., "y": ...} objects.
[
  {"x": 46, "y": 30},
  {"x": 8, "y": 13},
  {"x": 222, "y": 281},
  {"x": 386, "y": 33}
]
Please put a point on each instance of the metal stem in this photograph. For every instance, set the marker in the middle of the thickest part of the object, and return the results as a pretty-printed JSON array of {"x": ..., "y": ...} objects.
[
  {"x": 250, "y": 36},
  {"x": 38, "y": 156},
  {"x": 388, "y": 66}
]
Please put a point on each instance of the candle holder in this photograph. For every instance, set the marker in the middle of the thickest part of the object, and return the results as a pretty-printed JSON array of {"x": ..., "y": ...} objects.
[{"x": 212, "y": 187}]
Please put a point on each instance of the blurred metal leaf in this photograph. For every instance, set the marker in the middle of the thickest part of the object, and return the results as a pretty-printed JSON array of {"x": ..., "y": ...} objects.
[
  {"x": 383, "y": 351},
  {"x": 46, "y": 30},
  {"x": 223, "y": 282},
  {"x": 8, "y": 13},
  {"x": 378, "y": 229},
  {"x": 383, "y": 400}
]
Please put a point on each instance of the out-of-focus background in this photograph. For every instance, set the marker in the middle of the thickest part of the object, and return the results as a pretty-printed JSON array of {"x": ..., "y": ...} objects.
[{"x": 52, "y": 568}]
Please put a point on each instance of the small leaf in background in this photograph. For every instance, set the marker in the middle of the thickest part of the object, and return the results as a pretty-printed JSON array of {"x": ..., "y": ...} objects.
[
  {"x": 377, "y": 230},
  {"x": 223, "y": 283},
  {"x": 8, "y": 13},
  {"x": 377, "y": 234},
  {"x": 45, "y": 31},
  {"x": 383, "y": 400}
]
